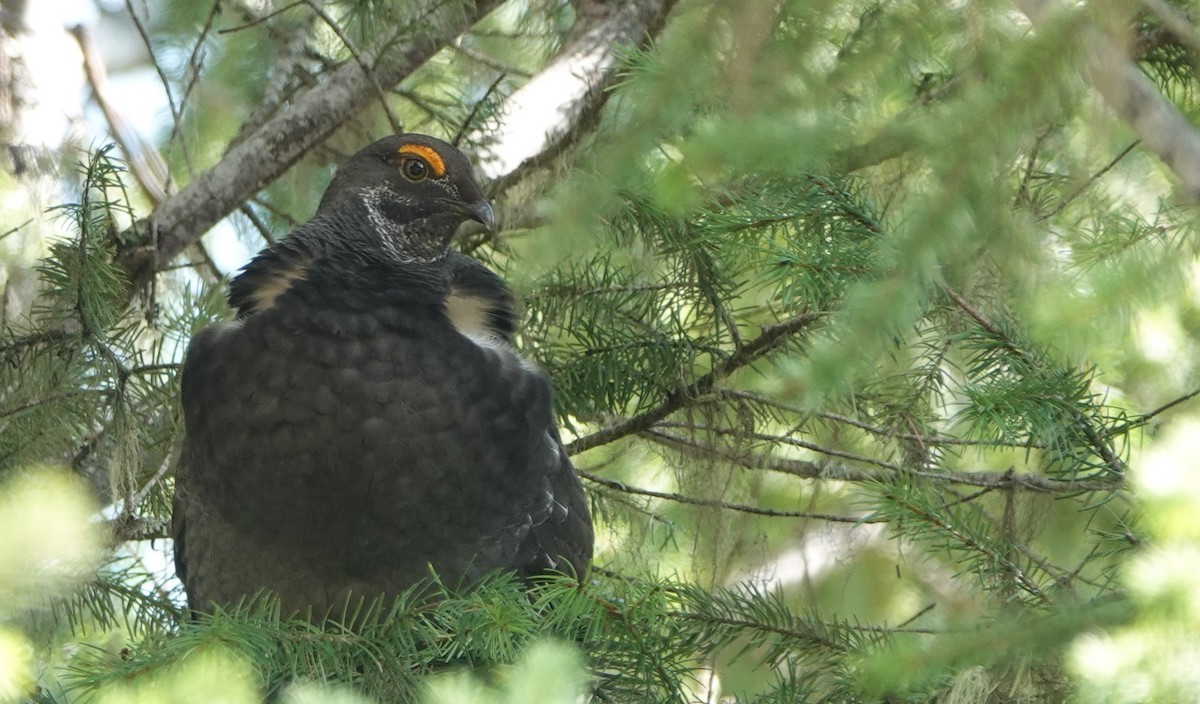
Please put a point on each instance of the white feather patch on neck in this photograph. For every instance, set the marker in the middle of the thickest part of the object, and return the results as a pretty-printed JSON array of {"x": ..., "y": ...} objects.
[{"x": 469, "y": 315}]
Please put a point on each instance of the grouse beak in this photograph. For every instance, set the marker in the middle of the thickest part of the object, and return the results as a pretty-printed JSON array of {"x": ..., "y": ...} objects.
[{"x": 481, "y": 212}]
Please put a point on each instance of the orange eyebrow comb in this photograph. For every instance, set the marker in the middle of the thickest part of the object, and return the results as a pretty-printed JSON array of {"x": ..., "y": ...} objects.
[{"x": 428, "y": 154}]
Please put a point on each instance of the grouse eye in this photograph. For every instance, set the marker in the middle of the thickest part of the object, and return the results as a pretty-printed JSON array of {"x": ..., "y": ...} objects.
[{"x": 414, "y": 169}]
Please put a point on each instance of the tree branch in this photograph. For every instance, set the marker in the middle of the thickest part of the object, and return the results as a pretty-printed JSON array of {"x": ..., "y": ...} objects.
[
  {"x": 358, "y": 58},
  {"x": 1146, "y": 418},
  {"x": 575, "y": 81},
  {"x": 147, "y": 166},
  {"x": 1062, "y": 205},
  {"x": 805, "y": 469},
  {"x": 769, "y": 402},
  {"x": 1179, "y": 26},
  {"x": 771, "y": 337},
  {"x": 1131, "y": 95},
  {"x": 727, "y": 505}
]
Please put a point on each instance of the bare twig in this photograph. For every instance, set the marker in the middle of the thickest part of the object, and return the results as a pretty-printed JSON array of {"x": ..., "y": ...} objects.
[
  {"x": 426, "y": 105},
  {"x": 271, "y": 208},
  {"x": 259, "y": 20},
  {"x": 862, "y": 425},
  {"x": 290, "y": 68},
  {"x": 195, "y": 62},
  {"x": 397, "y": 128},
  {"x": 742, "y": 434},
  {"x": 466, "y": 123},
  {"x": 926, "y": 609},
  {"x": 1145, "y": 418},
  {"x": 1088, "y": 184},
  {"x": 170, "y": 459},
  {"x": 896, "y": 138},
  {"x": 52, "y": 398},
  {"x": 1030, "y": 163},
  {"x": 263, "y": 230},
  {"x": 488, "y": 61},
  {"x": 15, "y": 230},
  {"x": 162, "y": 77},
  {"x": 144, "y": 161},
  {"x": 206, "y": 259},
  {"x": 838, "y": 472},
  {"x": 714, "y": 503}
]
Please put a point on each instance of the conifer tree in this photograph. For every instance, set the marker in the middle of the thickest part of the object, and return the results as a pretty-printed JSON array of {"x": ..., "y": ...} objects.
[{"x": 872, "y": 330}]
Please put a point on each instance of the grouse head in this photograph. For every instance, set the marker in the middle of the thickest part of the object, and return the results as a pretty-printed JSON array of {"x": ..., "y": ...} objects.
[
  {"x": 413, "y": 190},
  {"x": 399, "y": 200}
]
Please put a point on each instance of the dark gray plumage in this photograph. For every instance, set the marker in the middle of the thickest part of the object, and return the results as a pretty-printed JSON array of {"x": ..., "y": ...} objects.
[{"x": 366, "y": 417}]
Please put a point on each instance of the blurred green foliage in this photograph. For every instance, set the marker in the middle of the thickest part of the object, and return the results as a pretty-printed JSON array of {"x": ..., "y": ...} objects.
[
  {"x": 49, "y": 544},
  {"x": 873, "y": 334}
]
